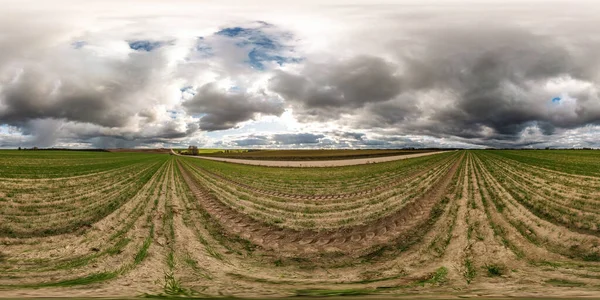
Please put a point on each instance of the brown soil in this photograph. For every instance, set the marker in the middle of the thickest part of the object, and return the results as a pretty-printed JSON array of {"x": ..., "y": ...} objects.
[
  {"x": 351, "y": 241},
  {"x": 317, "y": 164},
  {"x": 201, "y": 235}
]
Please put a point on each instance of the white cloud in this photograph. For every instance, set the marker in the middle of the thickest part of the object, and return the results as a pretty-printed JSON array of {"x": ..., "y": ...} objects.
[{"x": 68, "y": 75}]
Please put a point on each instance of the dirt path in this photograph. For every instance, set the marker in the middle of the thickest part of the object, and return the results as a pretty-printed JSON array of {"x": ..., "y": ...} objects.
[
  {"x": 306, "y": 242},
  {"x": 316, "y": 164}
]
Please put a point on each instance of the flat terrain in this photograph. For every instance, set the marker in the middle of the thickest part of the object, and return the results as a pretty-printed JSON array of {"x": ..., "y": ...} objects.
[
  {"x": 311, "y": 154},
  {"x": 481, "y": 223},
  {"x": 317, "y": 162},
  {"x": 126, "y": 150}
]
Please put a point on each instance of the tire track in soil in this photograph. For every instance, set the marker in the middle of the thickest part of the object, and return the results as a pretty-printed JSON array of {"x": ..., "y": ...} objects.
[
  {"x": 365, "y": 192},
  {"x": 486, "y": 186},
  {"x": 352, "y": 240},
  {"x": 333, "y": 216},
  {"x": 457, "y": 249},
  {"x": 75, "y": 245},
  {"x": 493, "y": 251},
  {"x": 559, "y": 240},
  {"x": 317, "y": 163}
]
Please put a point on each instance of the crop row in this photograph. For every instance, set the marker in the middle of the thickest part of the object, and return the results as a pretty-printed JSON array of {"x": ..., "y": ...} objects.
[
  {"x": 523, "y": 222},
  {"x": 324, "y": 213},
  {"x": 31, "y": 216},
  {"x": 312, "y": 181},
  {"x": 97, "y": 254}
]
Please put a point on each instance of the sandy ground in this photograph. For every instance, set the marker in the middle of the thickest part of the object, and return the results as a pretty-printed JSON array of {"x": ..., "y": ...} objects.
[
  {"x": 207, "y": 241},
  {"x": 320, "y": 163}
]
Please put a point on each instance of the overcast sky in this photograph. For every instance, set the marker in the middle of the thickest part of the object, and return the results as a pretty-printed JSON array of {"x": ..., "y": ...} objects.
[{"x": 256, "y": 74}]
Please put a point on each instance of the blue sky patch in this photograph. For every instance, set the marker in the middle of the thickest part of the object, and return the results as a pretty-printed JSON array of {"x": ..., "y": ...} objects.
[
  {"x": 232, "y": 32},
  {"x": 556, "y": 99},
  {"x": 203, "y": 47},
  {"x": 145, "y": 45},
  {"x": 79, "y": 44},
  {"x": 188, "y": 89},
  {"x": 173, "y": 114},
  {"x": 262, "y": 46},
  {"x": 236, "y": 89},
  {"x": 187, "y": 92},
  {"x": 257, "y": 57}
]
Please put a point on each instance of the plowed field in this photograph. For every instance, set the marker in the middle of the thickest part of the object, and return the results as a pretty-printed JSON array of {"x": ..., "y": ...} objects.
[{"x": 458, "y": 223}]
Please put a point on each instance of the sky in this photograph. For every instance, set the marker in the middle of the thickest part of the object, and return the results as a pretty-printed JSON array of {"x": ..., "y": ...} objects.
[{"x": 299, "y": 74}]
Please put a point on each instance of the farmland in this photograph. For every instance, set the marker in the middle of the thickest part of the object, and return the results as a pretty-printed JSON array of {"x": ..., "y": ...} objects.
[
  {"x": 309, "y": 154},
  {"x": 468, "y": 223}
]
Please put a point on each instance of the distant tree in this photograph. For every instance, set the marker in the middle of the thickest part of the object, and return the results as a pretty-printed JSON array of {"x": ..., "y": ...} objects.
[
  {"x": 193, "y": 150},
  {"x": 19, "y": 148}
]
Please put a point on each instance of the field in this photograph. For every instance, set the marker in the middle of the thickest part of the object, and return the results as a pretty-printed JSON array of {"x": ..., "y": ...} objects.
[
  {"x": 309, "y": 154},
  {"x": 126, "y": 150},
  {"x": 458, "y": 223}
]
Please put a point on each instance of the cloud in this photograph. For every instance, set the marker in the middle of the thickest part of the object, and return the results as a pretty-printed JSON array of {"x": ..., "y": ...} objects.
[
  {"x": 297, "y": 138},
  {"x": 353, "y": 135},
  {"x": 81, "y": 90},
  {"x": 224, "y": 110},
  {"x": 360, "y": 75},
  {"x": 500, "y": 79},
  {"x": 323, "y": 91},
  {"x": 252, "y": 141},
  {"x": 485, "y": 83},
  {"x": 264, "y": 44},
  {"x": 37, "y": 95}
]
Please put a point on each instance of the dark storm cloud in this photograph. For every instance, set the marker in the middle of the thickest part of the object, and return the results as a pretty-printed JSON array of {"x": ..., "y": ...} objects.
[
  {"x": 108, "y": 98},
  {"x": 353, "y": 135},
  {"x": 497, "y": 76},
  {"x": 487, "y": 83},
  {"x": 252, "y": 141},
  {"x": 323, "y": 91},
  {"x": 49, "y": 132},
  {"x": 44, "y": 132},
  {"x": 463, "y": 73},
  {"x": 170, "y": 130},
  {"x": 284, "y": 140},
  {"x": 32, "y": 98},
  {"x": 281, "y": 139},
  {"x": 109, "y": 142},
  {"x": 297, "y": 138},
  {"x": 224, "y": 110},
  {"x": 331, "y": 140}
]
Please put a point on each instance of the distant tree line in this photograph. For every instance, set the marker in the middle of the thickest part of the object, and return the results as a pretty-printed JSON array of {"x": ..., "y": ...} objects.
[
  {"x": 191, "y": 150},
  {"x": 60, "y": 149},
  {"x": 547, "y": 148}
]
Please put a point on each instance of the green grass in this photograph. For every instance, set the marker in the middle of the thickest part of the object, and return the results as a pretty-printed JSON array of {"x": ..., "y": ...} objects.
[
  {"x": 564, "y": 282},
  {"x": 89, "y": 279},
  {"x": 494, "y": 270},
  {"x": 143, "y": 252},
  {"x": 312, "y": 180},
  {"x": 469, "y": 272},
  {"x": 52, "y": 164},
  {"x": 172, "y": 286},
  {"x": 438, "y": 277},
  {"x": 582, "y": 162},
  {"x": 130, "y": 175},
  {"x": 329, "y": 293}
]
